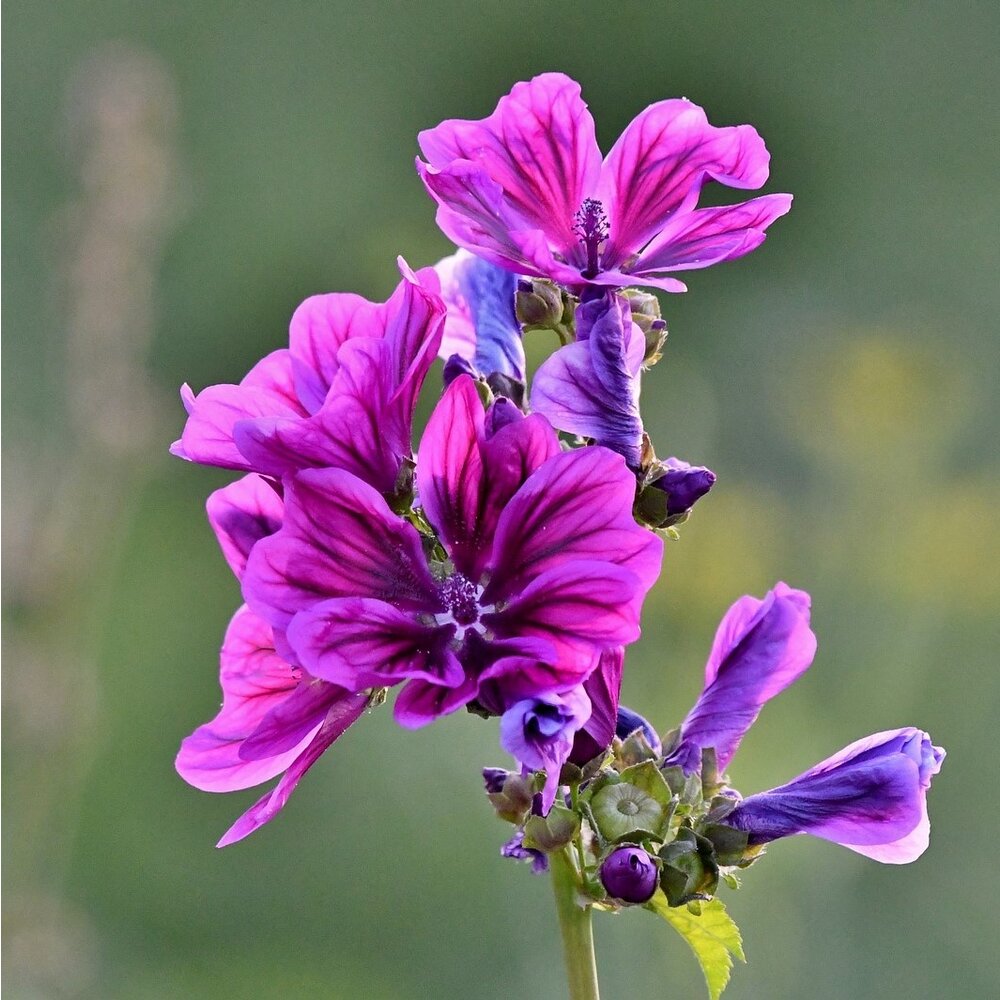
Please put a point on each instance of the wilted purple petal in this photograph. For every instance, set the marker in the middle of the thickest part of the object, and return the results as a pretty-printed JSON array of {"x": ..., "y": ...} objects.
[
  {"x": 539, "y": 733},
  {"x": 591, "y": 387},
  {"x": 515, "y": 849},
  {"x": 761, "y": 647},
  {"x": 871, "y": 797},
  {"x": 603, "y": 687}
]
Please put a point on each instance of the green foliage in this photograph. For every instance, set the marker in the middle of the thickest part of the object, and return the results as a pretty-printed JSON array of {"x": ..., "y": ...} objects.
[{"x": 711, "y": 935}]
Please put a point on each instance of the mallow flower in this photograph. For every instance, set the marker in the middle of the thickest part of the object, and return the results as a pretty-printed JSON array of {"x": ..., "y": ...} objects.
[
  {"x": 526, "y": 188},
  {"x": 870, "y": 797},
  {"x": 535, "y": 570},
  {"x": 341, "y": 395},
  {"x": 275, "y": 719}
]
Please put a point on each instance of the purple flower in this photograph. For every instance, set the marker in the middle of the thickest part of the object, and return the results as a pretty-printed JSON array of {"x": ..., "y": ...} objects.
[
  {"x": 274, "y": 718},
  {"x": 341, "y": 396},
  {"x": 591, "y": 387},
  {"x": 481, "y": 333},
  {"x": 629, "y": 874},
  {"x": 871, "y": 797},
  {"x": 545, "y": 570},
  {"x": 683, "y": 484},
  {"x": 539, "y": 733},
  {"x": 526, "y": 189},
  {"x": 603, "y": 687},
  {"x": 761, "y": 647}
]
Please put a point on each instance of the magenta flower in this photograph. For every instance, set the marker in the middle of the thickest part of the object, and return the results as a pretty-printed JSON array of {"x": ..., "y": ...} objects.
[
  {"x": 341, "y": 395},
  {"x": 545, "y": 567},
  {"x": 871, "y": 797},
  {"x": 526, "y": 188},
  {"x": 274, "y": 718}
]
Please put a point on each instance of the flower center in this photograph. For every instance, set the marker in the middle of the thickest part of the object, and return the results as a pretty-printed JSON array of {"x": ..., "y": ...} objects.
[
  {"x": 461, "y": 598},
  {"x": 591, "y": 225}
]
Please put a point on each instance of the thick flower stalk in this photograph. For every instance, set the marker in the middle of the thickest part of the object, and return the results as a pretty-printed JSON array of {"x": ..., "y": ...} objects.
[{"x": 500, "y": 563}]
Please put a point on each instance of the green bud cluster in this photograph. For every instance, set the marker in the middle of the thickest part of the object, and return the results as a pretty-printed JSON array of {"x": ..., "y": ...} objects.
[{"x": 630, "y": 796}]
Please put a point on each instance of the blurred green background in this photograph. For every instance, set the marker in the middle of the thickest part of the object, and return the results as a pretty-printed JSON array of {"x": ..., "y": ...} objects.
[{"x": 180, "y": 175}]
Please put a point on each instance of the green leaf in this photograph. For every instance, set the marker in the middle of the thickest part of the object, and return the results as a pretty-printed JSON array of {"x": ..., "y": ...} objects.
[{"x": 712, "y": 936}]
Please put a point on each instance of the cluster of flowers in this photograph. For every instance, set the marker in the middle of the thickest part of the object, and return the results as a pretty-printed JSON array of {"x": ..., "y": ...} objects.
[{"x": 504, "y": 566}]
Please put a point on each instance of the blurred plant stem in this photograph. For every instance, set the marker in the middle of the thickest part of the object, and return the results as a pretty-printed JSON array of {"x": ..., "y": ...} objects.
[{"x": 576, "y": 929}]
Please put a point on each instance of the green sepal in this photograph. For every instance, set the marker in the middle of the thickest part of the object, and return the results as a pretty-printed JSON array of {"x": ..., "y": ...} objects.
[
  {"x": 647, "y": 778},
  {"x": 635, "y": 749},
  {"x": 710, "y": 934},
  {"x": 552, "y": 832},
  {"x": 623, "y": 810},
  {"x": 690, "y": 871},
  {"x": 729, "y": 843},
  {"x": 513, "y": 801}
]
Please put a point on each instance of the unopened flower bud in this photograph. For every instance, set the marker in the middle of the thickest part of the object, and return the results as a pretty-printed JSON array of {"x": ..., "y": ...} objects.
[
  {"x": 538, "y": 304},
  {"x": 629, "y": 874},
  {"x": 671, "y": 491},
  {"x": 628, "y": 722}
]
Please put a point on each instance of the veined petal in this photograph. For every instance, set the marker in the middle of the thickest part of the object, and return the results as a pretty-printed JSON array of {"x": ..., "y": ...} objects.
[
  {"x": 254, "y": 680},
  {"x": 339, "y": 539},
  {"x": 578, "y": 505},
  {"x": 710, "y": 235},
  {"x": 319, "y": 327},
  {"x": 579, "y": 603},
  {"x": 761, "y": 647},
  {"x": 213, "y": 413},
  {"x": 241, "y": 514},
  {"x": 291, "y": 721},
  {"x": 538, "y": 146},
  {"x": 603, "y": 687},
  {"x": 360, "y": 643},
  {"x": 658, "y": 166},
  {"x": 870, "y": 798},
  {"x": 420, "y": 702},
  {"x": 339, "y": 719}
]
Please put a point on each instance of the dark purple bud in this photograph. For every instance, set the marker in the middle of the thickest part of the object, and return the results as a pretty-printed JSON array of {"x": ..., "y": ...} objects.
[
  {"x": 683, "y": 484},
  {"x": 629, "y": 874},
  {"x": 457, "y": 365},
  {"x": 629, "y": 721}
]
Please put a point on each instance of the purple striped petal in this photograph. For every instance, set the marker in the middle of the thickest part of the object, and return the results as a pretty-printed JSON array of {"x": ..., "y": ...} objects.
[
  {"x": 361, "y": 643},
  {"x": 871, "y": 797},
  {"x": 291, "y": 721},
  {"x": 339, "y": 719},
  {"x": 603, "y": 687},
  {"x": 711, "y": 235},
  {"x": 241, "y": 514},
  {"x": 339, "y": 539},
  {"x": 659, "y": 164},
  {"x": 538, "y": 147},
  {"x": 254, "y": 681},
  {"x": 578, "y": 505},
  {"x": 761, "y": 647}
]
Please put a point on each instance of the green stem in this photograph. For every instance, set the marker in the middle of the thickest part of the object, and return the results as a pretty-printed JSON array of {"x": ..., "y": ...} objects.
[{"x": 574, "y": 923}]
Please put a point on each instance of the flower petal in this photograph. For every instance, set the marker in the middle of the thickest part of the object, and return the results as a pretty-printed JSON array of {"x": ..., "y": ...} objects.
[
  {"x": 254, "y": 680},
  {"x": 578, "y": 505},
  {"x": 870, "y": 797},
  {"x": 659, "y": 165},
  {"x": 538, "y": 146},
  {"x": 603, "y": 687},
  {"x": 710, "y": 235},
  {"x": 420, "y": 702},
  {"x": 338, "y": 720},
  {"x": 761, "y": 647},
  {"x": 339, "y": 539},
  {"x": 360, "y": 643},
  {"x": 241, "y": 514}
]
